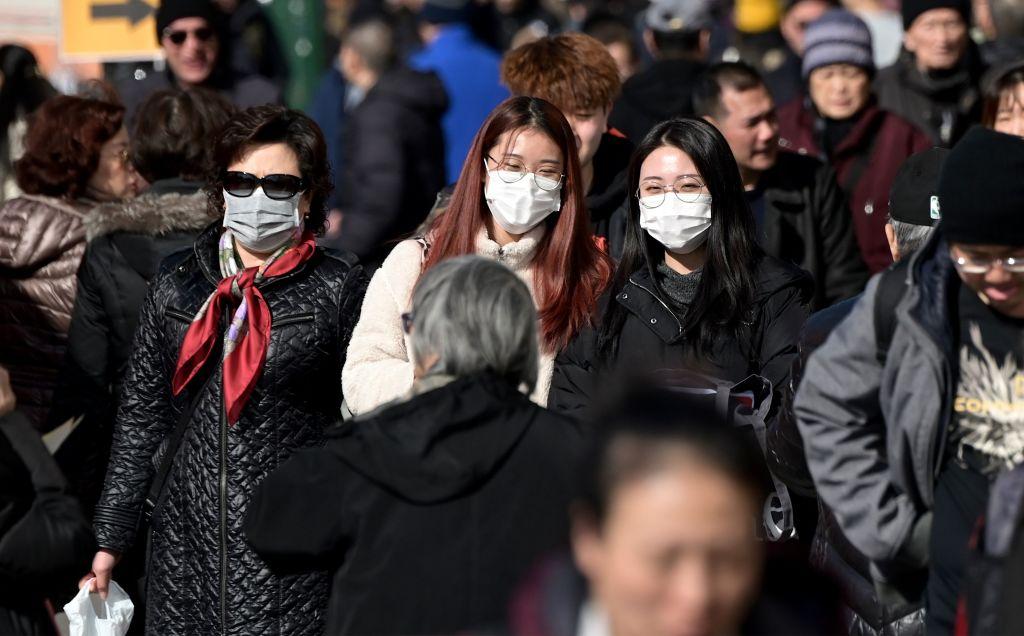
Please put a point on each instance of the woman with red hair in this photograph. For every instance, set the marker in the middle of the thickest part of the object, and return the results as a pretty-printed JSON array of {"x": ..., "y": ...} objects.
[{"x": 519, "y": 201}]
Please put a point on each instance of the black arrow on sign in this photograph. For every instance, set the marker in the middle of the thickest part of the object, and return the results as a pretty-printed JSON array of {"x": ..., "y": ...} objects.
[{"x": 134, "y": 11}]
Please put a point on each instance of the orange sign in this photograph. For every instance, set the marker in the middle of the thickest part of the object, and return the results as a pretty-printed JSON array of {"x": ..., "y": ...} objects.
[{"x": 93, "y": 30}]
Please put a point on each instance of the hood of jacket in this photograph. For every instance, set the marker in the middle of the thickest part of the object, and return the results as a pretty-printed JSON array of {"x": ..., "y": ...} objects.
[
  {"x": 415, "y": 90},
  {"x": 440, "y": 444},
  {"x": 156, "y": 212},
  {"x": 37, "y": 230}
]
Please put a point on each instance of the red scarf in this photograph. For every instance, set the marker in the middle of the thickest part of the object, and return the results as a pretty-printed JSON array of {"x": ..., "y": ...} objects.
[{"x": 243, "y": 365}]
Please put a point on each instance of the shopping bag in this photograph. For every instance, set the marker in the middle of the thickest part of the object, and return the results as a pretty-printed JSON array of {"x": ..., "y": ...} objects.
[{"x": 90, "y": 615}]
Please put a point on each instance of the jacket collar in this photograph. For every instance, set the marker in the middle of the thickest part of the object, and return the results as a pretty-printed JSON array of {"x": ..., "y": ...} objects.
[
  {"x": 810, "y": 126},
  {"x": 166, "y": 207},
  {"x": 517, "y": 256},
  {"x": 932, "y": 292},
  {"x": 640, "y": 297}
]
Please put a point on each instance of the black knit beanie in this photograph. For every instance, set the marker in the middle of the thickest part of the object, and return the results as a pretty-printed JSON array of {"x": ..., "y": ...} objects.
[
  {"x": 981, "y": 192},
  {"x": 911, "y": 9},
  {"x": 171, "y": 10}
]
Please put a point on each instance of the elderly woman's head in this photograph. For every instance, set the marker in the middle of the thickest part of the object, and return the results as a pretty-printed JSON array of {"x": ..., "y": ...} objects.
[{"x": 471, "y": 315}]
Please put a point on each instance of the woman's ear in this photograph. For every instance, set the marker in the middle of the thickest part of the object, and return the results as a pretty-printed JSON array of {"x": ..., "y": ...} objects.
[{"x": 304, "y": 202}]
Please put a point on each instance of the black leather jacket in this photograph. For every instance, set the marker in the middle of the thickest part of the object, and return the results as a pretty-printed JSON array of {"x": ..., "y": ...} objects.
[{"x": 203, "y": 577}]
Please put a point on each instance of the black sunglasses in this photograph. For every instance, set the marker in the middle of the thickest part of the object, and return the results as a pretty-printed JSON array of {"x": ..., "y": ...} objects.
[
  {"x": 178, "y": 37},
  {"x": 275, "y": 186}
]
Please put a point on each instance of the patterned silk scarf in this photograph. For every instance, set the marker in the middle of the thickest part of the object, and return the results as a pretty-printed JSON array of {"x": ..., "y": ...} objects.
[{"x": 247, "y": 337}]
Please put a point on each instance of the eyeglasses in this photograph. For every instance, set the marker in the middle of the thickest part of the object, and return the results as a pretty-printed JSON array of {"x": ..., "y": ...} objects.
[
  {"x": 976, "y": 265},
  {"x": 275, "y": 186},
  {"x": 407, "y": 319},
  {"x": 512, "y": 170},
  {"x": 177, "y": 38},
  {"x": 686, "y": 188}
]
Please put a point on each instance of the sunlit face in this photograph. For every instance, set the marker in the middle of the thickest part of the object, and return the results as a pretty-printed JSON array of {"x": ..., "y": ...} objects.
[
  {"x": 937, "y": 38},
  {"x": 1010, "y": 116},
  {"x": 667, "y": 171},
  {"x": 114, "y": 177},
  {"x": 276, "y": 158},
  {"x": 839, "y": 91},
  {"x": 750, "y": 125},
  {"x": 193, "y": 59},
  {"x": 1000, "y": 289},
  {"x": 526, "y": 150},
  {"x": 588, "y": 125},
  {"x": 794, "y": 24},
  {"x": 676, "y": 555}
]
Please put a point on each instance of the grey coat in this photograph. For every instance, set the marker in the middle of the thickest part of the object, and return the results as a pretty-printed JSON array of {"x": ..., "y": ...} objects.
[{"x": 874, "y": 434}]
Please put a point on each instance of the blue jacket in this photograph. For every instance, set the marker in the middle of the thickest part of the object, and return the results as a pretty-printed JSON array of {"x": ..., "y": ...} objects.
[{"x": 469, "y": 71}]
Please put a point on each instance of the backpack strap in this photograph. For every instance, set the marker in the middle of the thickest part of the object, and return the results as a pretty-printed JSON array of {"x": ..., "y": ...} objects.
[
  {"x": 29, "y": 446},
  {"x": 892, "y": 285}
]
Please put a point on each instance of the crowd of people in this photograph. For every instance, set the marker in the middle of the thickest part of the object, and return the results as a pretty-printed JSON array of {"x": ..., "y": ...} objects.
[{"x": 590, "y": 319}]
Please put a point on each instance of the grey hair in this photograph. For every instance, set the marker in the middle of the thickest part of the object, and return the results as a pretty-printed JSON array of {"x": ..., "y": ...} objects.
[
  {"x": 476, "y": 315},
  {"x": 374, "y": 41},
  {"x": 910, "y": 237}
]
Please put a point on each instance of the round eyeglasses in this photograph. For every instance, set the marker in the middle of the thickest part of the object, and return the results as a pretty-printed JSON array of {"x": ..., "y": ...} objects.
[
  {"x": 512, "y": 171},
  {"x": 976, "y": 265},
  {"x": 686, "y": 188}
]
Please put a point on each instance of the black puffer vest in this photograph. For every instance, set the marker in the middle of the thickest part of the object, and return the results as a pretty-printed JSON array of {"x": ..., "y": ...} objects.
[{"x": 203, "y": 577}]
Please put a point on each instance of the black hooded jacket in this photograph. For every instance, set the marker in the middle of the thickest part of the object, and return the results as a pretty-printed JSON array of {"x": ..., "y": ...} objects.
[
  {"x": 652, "y": 339},
  {"x": 432, "y": 509},
  {"x": 393, "y": 162}
]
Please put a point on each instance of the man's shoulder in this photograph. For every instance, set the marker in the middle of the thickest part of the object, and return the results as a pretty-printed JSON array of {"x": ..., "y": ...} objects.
[{"x": 794, "y": 171}]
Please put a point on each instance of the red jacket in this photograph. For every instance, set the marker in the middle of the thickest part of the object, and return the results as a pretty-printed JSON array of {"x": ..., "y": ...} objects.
[{"x": 888, "y": 138}]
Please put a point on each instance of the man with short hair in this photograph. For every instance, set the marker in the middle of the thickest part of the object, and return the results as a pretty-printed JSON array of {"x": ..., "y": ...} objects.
[
  {"x": 905, "y": 425},
  {"x": 800, "y": 214},
  {"x": 393, "y": 144},
  {"x": 190, "y": 35},
  {"x": 577, "y": 74},
  {"x": 934, "y": 83},
  {"x": 677, "y": 34}
]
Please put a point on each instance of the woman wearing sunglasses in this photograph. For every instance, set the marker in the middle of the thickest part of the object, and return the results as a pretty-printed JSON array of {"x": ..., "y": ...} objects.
[
  {"x": 519, "y": 201},
  {"x": 235, "y": 366},
  {"x": 693, "y": 289}
]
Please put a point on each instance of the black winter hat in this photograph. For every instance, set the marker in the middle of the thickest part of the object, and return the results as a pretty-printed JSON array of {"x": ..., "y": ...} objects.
[
  {"x": 911, "y": 9},
  {"x": 171, "y": 10},
  {"x": 914, "y": 195},
  {"x": 981, "y": 191}
]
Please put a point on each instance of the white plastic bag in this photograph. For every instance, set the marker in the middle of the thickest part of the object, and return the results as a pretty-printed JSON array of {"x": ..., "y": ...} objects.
[{"x": 90, "y": 615}]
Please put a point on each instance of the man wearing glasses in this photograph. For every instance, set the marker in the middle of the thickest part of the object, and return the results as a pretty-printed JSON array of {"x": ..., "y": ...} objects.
[
  {"x": 903, "y": 439},
  {"x": 190, "y": 37}
]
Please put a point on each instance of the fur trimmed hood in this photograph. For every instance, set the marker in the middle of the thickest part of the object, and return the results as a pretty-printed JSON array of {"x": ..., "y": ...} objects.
[{"x": 151, "y": 214}]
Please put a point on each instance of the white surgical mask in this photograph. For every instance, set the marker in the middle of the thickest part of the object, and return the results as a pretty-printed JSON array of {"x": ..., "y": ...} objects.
[
  {"x": 680, "y": 226},
  {"x": 519, "y": 207},
  {"x": 260, "y": 223}
]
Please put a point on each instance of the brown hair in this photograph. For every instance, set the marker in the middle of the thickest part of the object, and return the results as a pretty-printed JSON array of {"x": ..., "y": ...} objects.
[
  {"x": 573, "y": 71},
  {"x": 271, "y": 124},
  {"x": 570, "y": 272},
  {"x": 172, "y": 133},
  {"x": 63, "y": 143}
]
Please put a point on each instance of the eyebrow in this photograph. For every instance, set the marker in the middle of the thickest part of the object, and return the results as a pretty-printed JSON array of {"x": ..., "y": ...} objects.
[
  {"x": 676, "y": 178},
  {"x": 513, "y": 155}
]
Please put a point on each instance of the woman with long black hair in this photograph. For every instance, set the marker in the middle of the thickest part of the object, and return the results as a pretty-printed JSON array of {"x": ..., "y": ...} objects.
[{"x": 693, "y": 289}]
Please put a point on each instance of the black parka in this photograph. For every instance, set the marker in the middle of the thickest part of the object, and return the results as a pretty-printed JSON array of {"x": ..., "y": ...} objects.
[
  {"x": 203, "y": 577},
  {"x": 652, "y": 339},
  {"x": 434, "y": 508}
]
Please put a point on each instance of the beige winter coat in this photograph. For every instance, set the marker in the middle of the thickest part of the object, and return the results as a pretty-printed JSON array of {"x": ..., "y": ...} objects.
[{"x": 378, "y": 368}]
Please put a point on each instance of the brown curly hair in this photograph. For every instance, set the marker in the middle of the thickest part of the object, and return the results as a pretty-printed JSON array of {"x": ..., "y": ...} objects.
[
  {"x": 573, "y": 71},
  {"x": 63, "y": 143},
  {"x": 275, "y": 124}
]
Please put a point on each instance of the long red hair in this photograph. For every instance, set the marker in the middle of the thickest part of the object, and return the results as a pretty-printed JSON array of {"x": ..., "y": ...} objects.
[{"x": 570, "y": 271}]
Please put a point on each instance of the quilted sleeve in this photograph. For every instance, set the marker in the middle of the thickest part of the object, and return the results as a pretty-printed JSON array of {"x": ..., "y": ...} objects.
[{"x": 145, "y": 416}]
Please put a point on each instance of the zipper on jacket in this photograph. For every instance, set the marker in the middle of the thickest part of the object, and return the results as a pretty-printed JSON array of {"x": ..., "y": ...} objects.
[
  {"x": 223, "y": 486},
  {"x": 679, "y": 325}
]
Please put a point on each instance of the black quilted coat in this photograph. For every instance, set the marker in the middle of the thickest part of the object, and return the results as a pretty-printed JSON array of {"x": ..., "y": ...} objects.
[{"x": 203, "y": 578}]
